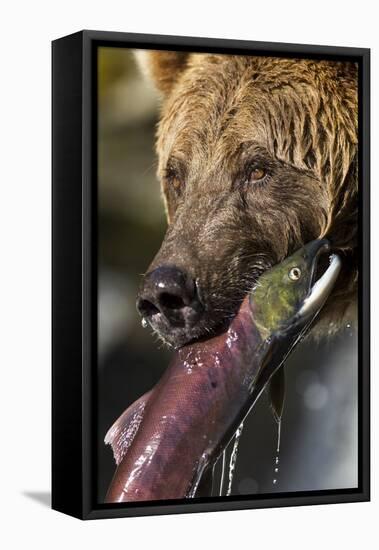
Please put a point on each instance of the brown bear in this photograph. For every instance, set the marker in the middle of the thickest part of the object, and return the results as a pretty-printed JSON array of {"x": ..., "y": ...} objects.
[{"x": 257, "y": 156}]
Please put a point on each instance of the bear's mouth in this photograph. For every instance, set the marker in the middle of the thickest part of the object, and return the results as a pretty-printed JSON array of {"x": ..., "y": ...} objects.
[
  {"x": 217, "y": 316},
  {"x": 214, "y": 323},
  {"x": 323, "y": 267},
  {"x": 215, "y": 320}
]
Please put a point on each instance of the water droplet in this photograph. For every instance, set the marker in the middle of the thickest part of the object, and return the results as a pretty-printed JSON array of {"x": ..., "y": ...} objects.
[
  {"x": 232, "y": 338},
  {"x": 348, "y": 325},
  {"x": 144, "y": 322},
  {"x": 233, "y": 459},
  {"x": 276, "y": 469}
]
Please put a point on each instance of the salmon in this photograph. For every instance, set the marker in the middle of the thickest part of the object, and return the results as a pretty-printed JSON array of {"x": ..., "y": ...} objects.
[{"x": 170, "y": 437}]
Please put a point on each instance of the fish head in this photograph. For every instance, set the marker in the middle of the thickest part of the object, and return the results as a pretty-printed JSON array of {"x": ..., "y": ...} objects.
[{"x": 287, "y": 297}]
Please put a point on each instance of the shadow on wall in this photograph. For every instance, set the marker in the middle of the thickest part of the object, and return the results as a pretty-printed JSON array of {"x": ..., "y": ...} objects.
[{"x": 41, "y": 497}]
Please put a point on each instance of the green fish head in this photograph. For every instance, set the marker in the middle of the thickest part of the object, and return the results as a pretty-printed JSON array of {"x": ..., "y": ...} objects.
[{"x": 286, "y": 295}]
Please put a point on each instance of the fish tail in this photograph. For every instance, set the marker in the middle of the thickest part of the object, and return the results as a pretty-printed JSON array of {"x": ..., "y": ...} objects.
[{"x": 121, "y": 434}]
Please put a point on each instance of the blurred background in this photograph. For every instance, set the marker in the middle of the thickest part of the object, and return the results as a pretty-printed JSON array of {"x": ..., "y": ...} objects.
[{"x": 319, "y": 442}]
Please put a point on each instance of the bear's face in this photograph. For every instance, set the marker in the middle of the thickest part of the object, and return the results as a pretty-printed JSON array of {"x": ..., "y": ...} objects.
[{"x": 242, "y": 181}]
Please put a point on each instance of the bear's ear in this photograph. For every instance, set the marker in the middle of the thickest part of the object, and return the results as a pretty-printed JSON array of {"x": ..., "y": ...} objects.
[{"x": 162, "y": 67}]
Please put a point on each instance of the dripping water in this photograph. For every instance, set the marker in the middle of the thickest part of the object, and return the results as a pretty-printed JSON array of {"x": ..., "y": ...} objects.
[
  {"x": 277, "y": 460},
  {"x": 213, "y": 478},
  {"x": 223, "y": 466},
  {"x": 199, "y": 473},
  {"x": 233, "y": 458}
]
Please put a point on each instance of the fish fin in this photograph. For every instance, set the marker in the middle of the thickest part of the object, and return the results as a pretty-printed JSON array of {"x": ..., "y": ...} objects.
[
  {"x": 276, "y": 393},
  {"x": 121, "y": 434}
]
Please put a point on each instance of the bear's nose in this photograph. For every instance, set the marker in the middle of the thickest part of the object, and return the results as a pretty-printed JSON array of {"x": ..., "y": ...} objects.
[{"x": 171, "y": 292}]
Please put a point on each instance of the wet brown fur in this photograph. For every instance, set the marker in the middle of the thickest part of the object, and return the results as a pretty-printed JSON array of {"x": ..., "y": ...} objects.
[{"x": 296, "y": 119}]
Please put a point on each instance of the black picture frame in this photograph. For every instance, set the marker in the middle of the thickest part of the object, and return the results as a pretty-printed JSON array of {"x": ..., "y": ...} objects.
[{"x": 74, "y": 272}]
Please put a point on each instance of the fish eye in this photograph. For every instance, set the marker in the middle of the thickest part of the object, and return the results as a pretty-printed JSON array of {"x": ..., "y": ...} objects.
[{"x": 294, "y": 274}]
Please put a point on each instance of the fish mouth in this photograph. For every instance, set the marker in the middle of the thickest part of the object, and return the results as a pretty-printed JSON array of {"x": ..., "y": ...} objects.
[{"x": 322, "y": 280}]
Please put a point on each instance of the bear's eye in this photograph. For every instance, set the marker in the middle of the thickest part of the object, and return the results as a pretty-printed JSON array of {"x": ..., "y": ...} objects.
[
  {"x": 173, "y": 177},
  {"x": 257, "y": 174},
  {"x": 173, "y": 180},
  {"x": 176, "y": 183}
]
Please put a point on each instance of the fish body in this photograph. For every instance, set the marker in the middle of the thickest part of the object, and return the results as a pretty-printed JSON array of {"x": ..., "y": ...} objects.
[
  {"x": 165, "y": 442},
  {"x": 187, "y": 417}
]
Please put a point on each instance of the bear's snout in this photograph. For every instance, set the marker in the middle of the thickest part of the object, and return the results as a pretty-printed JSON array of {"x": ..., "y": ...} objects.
[{"x": 170, "y": 302}]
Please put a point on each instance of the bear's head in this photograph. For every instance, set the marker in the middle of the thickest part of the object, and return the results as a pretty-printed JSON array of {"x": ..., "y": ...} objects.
[{"x": 257, "y": 156}]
